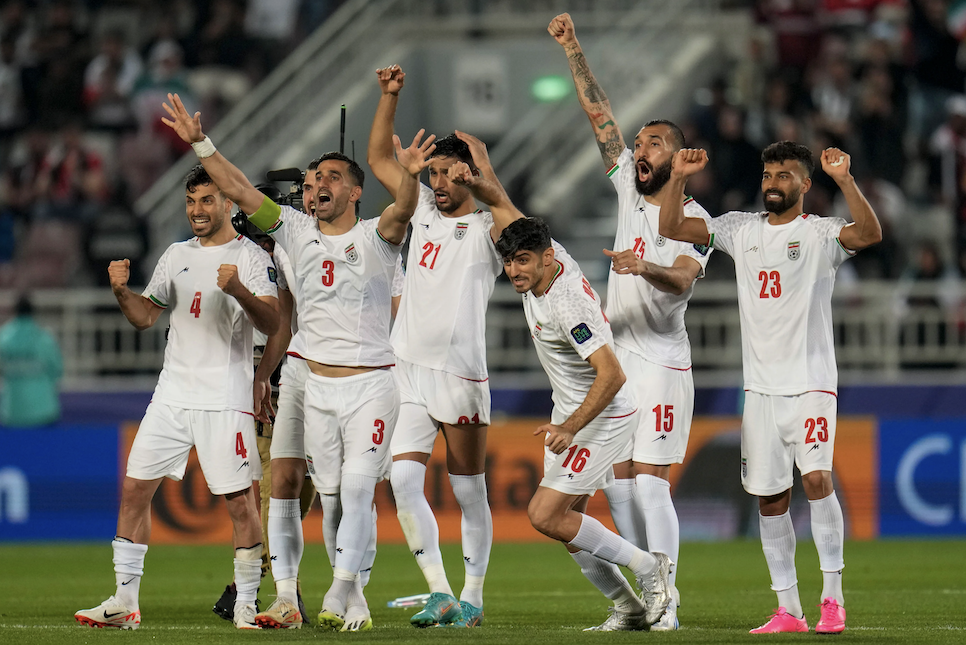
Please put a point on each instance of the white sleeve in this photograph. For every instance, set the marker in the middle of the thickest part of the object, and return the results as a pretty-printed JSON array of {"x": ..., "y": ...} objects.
[
  {"x": 260, "y": 279},
  {"x": 388, "y": 252},
  {"x": 579, "y": 317},
  {"x": 398, "y": 278},
  {"x": 829, "y": 229},
  {"x": 722, "y": 230},
  {"x": 427, "y": 198},
  {"x": 157, "y": 289},
  {"x": 284, "y": 268},
  {"x": 622, "y": 173},
  {"x": 698, "y": 252}
]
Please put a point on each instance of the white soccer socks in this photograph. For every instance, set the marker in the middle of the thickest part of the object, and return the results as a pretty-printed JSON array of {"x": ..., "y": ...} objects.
[
  {"x": 778, "y": 544},
  {"x": 828, "y": 531},
  {"x": 476, "y": 531},
  {"x": 609, "y": 581},
  {"x": 626, "y": 511},
  {"x": 661, "y": 520},
  {"x": 331, "y": 516},
  {"x": 597, "y": 539},
  {"x": 248, "y": 573},
  {"x": 418, "y": 522},
  {"x": 285, "y": 536},
  {"x": 352, "y": 539},
  {"x": 128, "y": 569}
]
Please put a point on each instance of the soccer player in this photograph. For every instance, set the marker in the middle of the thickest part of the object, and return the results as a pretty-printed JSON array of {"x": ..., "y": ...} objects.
[
  {"x": 218, "y": 286},
  {"x": 647, "y": 296},
  {"x": 343, "y": 269},
  {"x": 440, "y": 345},
  {"x": 593, "y": 416},
  {"x": 785, "y": 264}
]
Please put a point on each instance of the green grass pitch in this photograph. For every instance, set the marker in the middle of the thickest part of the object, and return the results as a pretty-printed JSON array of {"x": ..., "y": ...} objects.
[{"x": 896, "y": 592}]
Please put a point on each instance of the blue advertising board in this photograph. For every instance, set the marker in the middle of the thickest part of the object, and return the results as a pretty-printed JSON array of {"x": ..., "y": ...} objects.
[
  {"x": 922, "y": 477},
  {"x": 59, "y": 484}
]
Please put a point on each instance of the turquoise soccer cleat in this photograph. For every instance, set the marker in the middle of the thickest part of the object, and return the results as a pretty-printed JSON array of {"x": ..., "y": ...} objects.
[
  {"x": 440, "y": 609},
  {"x": 472, "y": 616}
]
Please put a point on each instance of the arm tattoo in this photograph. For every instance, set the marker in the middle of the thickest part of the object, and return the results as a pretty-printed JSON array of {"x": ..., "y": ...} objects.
[
  {"x": 584, "y": 79},
  {"x": 611, "y": 147}
]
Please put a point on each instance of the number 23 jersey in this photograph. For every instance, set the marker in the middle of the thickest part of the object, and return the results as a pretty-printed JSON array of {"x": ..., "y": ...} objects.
[
  {"x": 785, "y": 275},
  {"x": 208, "y": 357}
]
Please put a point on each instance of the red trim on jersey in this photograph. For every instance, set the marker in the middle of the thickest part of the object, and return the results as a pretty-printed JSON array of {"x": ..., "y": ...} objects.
[
  {"x": 248, "y": 413},
  {"x": 677, "y": 369},
  {"x": 554, "y": 278},
  {"x": 623, "y": 416},
  {"x": 610, "y": 169},
  {"x": 295, "y": 355},
  {"x": 473, "y": 380},
  {"x": 826, "y": 392},
  {"x": 805, "y": 392}
]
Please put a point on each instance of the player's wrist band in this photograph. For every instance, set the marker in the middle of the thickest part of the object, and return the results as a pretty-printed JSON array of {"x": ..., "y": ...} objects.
[{"x": 204, "y": 148}]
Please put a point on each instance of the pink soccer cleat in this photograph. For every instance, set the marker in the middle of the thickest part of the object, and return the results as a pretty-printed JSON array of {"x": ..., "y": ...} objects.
[
  {"x": 782, "y": 621},
  {"x": 833, "y": 618}
]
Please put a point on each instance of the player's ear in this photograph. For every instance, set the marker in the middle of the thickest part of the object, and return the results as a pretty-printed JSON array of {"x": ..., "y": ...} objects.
[
  {"x": 355, "y": 194},
  {"x": 548, "y": 256},
  {"x": 806, "y": 184}
]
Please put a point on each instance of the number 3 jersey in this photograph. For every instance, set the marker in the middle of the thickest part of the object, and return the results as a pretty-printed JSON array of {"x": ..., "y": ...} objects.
[
  {"x": 785, "y": 275},
  {"x": 567, "y": 326},
  {"x": 450, "y": 273},
  {"x": 342, "y": 286},
  {"x": 208, "y": 357}
]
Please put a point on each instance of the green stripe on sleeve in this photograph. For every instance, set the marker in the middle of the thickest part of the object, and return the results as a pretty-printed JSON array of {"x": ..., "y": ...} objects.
[
  {"x": 157, "y": 302},
  {"x": 711, "y": 241},
  {"x": 267, "y": 216},
  {"x": 848, "y": 251},
  {"x": 613, "y": 169}
]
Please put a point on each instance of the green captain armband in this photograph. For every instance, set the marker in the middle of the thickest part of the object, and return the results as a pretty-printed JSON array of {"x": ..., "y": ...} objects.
[{"x": 267, "y": 216}]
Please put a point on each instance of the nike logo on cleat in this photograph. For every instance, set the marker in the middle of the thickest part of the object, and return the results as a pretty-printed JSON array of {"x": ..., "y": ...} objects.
[{"x": 107, "y": 615}]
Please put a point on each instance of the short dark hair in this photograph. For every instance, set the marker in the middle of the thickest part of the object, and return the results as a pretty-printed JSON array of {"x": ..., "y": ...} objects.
[
  {"x": 676, "y": 133},
  {"x": 789, "y": 151},
  {"x": 358, "y": 175},
  {"x": 525, "y": 234},
  {"x": 453, "y": 146},
  {"x": 197, "y": 176}
]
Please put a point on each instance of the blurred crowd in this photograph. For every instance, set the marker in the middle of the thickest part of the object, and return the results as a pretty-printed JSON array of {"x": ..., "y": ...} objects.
[
  {"x": 81, "y": 86},
  {"x": 883, "y": 80}
]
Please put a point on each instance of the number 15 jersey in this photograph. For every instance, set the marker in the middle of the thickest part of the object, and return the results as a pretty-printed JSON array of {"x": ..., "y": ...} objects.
[{"x": 785, "y": 276}]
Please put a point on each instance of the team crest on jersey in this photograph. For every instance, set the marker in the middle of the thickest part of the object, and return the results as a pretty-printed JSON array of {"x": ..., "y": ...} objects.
[
  {"x": 460, "y": 232},
  {"x": 310, "y": 464},
  {"x": 537, "y": 329},
  {"x": 661, "y": 240},
  {"x": 794, "y": 250},
  {"x": 351, "y": 255},
  {"x": 581, "y": 333},
  {"x": 272, "y": 274}
]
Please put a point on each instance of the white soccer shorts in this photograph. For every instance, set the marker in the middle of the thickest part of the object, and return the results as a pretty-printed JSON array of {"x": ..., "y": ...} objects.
[
  {"x": 587, "y": 464},
  {"x": 665, "y": 399},
  {"x": 288, "y": 438},
  {"x": 349, "y": 423},
  {"x": 430, "y": 397},
  {"x": 223, "y": 439},
  {"x": 777, "y": 431}
]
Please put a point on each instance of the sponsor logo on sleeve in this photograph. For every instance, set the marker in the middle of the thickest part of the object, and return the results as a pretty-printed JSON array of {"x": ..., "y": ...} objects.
[
  {"x": 701, "y": 248},
  {"x": 581, "y": 333},
  {"x": 272, "y": 274}
]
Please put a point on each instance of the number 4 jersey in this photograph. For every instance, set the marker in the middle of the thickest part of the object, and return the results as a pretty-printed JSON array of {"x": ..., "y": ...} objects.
[
  {"x": 208, "y": 357},
  {"x": 785, "y": 275},
  {"x": 567, "y": 326}
]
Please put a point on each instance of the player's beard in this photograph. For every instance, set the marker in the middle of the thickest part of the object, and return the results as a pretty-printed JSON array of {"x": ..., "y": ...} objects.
[
  {"x": 213, "y": 227},
  {"x": 455, "y": 199},
  {"x": 782, "y": 205},
  {"x": 338, "y": 205},
  {"x": 659, "y": 177}
]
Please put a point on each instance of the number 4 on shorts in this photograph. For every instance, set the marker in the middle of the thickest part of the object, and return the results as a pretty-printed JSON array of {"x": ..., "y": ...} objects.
[{"x": 240, "y": 446}]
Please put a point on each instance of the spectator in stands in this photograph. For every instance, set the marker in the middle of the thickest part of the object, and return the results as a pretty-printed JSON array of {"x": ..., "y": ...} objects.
[
  {"x": 947, "y": 149},
  {"x": 71, "y": 182},
  {"x": 30, "y": 370},
  {"x": 935, "y": 65},
  {"x": 12, "y": 114},
  {"x": 109, "y": 81}
]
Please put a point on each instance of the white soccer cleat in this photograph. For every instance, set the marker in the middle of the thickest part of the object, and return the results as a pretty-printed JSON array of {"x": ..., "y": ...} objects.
[
  {"x": 619, "y": 621},
  {"x": 245, "y": 617},
  {"x": 110, "y": 613},
  {"x": 281, "y": 614},
  {"x": 357, "y": 619},
  {"x": 655, "y": 589},
  {"x": 669, "y": 619}
]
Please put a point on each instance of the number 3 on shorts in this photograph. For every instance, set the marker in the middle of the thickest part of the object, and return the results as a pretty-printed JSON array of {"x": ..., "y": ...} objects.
[{"x": 240, "y": 446}]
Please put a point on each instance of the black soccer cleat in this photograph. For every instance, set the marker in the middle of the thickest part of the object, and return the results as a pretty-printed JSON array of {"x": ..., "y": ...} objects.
[{"x": 225, "y": 607}]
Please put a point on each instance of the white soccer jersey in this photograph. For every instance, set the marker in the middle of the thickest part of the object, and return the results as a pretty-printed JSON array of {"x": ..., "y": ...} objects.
[
  {"x": 785, "y": 276},
  {"x": 567, "y": 326},
  {"x": 450, "y": 273},
  {"x": 646, "y": 320},
  {"x": 286, "y": 280},
  {"x": 398, "y": 278},
  {"x": 208, "y": 358},
  {"x": 342, "y": 285}
]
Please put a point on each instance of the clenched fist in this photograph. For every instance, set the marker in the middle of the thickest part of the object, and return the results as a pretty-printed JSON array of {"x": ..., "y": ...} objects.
[
  {"x": 562, "y": 29},
  {"x": 119, "y": 272},
  {"x": 228, "y": 280}
]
